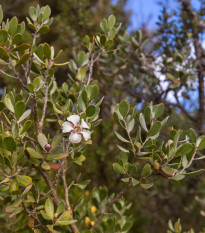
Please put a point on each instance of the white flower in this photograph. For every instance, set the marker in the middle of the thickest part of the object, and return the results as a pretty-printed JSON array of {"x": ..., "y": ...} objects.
[{"x": 76, "y": 128}]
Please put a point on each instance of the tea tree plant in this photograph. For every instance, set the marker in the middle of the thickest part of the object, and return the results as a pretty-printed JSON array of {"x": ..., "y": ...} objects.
[{"x": 46, "y": 128}]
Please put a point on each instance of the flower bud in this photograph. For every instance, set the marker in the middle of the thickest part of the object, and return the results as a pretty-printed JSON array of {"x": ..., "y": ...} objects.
[
  {"x": 48, "y": 147},
  {"x": 87, "y": 221},
  {"x": 55, "y": 215},
  {"x": 93, "y": 209},
  {"x": 156, "y": 165},
  {"x": 92, "y": 223}
]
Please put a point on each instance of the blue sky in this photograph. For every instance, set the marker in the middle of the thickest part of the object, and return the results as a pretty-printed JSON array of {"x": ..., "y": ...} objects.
[{"x": 147, "y": 11}]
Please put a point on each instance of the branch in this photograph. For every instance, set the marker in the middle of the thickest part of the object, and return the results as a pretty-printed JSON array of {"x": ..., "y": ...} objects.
[
  {"x": 35, "y": 113},
  {"x": 194, "y": 23},
  {"x": 117, "y": 198},
  {"x": 50, "y": 184},
  {"x": 91, "y": 69},
  {"x": 30, "y": 214},
  {"x": 45, "y": 101},
  {"x": 93, "y": 60},
  {"x": 73, "y": 225}
]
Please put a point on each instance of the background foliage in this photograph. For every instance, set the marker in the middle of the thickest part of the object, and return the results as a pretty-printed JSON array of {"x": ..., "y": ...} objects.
[{"x": 175, "y": 53}]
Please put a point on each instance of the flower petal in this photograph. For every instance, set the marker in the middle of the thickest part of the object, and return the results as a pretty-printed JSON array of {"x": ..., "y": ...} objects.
[
  {"x": 66, "y": 127},
  {"x": 75, "y": 137},
  {"x": 74, "y": 119},
  {"x": 86, "y": 134},
  {"x": 84, "y": 125}
]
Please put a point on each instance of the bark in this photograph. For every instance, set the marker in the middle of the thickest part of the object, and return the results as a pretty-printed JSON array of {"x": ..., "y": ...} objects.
[{"x": 187, "y": 8}]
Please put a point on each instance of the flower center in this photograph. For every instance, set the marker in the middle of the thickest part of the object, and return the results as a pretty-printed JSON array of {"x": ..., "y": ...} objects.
[{"x": 78, "y": 128}]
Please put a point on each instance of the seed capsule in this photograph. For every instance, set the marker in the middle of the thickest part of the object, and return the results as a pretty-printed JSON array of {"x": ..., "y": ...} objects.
[{"x": 47, "y": 147}]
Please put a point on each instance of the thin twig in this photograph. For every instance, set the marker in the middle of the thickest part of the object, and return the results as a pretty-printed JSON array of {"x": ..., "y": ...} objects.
[{"x": 66, "y": 189}]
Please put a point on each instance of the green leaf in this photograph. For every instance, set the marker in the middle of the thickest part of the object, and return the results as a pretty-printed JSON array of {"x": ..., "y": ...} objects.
[
  {"x": 146, "y": 171},
  {"x": 126, "y": 180},
  {"x": 25, "y": 115},
  {"x": 164, "y": 121},
  {"x": 42, "y": 140},
  {"x": 142, "y": 121},
  {"x": 79, "y": 159},
  {"x": 14, "y": 129},
  {"x": 90, "y": 111},
  {"x": 57, "y": 108},
  {"x": 24, "y": 180},
  {"x": 81, "y": 74},
  {"x": 9, "y": 144},
  {"x": 104, "y": 26},
  {"x": 8, "y": 103},
  {"x": 44, "y": 215},
  {"x": 1, "y": 14},
  {"x": 158, "y": 110},
  {"x": 57, "y": 156},
  {"x": 176, "y": 138},
  {"x": 169, "y": 171},
  {"x": 56, "y": 140},
  {"x": 45, "y": 166},
  {"x": 17, "y": 39},
  {"x": 103, "y": 192},
  {"x": 127, "y": 226},
  {"x": 200, "y": 143},
  {"x": 49, "y": 208},
  {"x": 31, "y": 26},
  {"x": 13, "y": 26},
  {"x": 192, "y": 135},
  {"x": 47, "y": 50},
  {"x": 24, "y": 58},
  {"x": 135, "y": 182},
  {"x": 32, "y": 13},
  {"x": 94, "y": 92},
  {"x": 34, "y": 153},
  {"x": 14, "y": 186},
  {"x": 19, "y": 108},
  {"x": 21, "y": 47},
  {"x": 146, "y": 186},
  {"x": 178, "y": 177},
  {"x": 117, "y": 168},
  {"x": 81, "y": 58},
  {"x": 130, "y": 125},
  {"x": 103, "y": 39},
  {"x": 109, "y": 44},
  {"x": 147, "y": 114},
  {"x": 50, "y": 227},
  {"x": 60, "y": 208},
  {"x": 121, "y": 138},
  {"x": 184, "y": 149},
  {"x": 26, "y": 126},
  {"x": 3, "y": 54},
  {"x": 3, "y": 36},
  {"x": 111, "y": 21},
  {"x": 44, "y": 29},
  {"x": 123, "y": 149},
  {"x": 124, "y": 108},
  {"x": 155, "y": 129},
  {"x": 195, "y": 173},
  {"x": 46, "y": 12},
  {"x": 30, "y": 87},
  {"x": 64, "y": 218},
  {"x": 86, "y": 39},
  {"x": 84, "y": 184}
]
